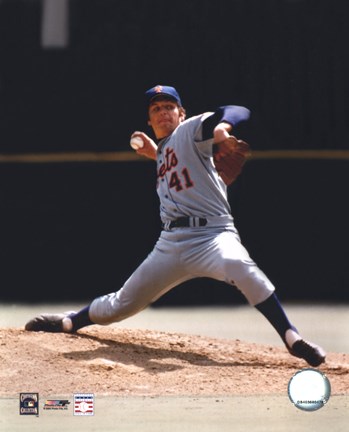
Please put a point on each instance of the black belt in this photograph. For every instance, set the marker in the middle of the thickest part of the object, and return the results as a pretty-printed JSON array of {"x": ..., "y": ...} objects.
[{"x": 185, "y": 222}]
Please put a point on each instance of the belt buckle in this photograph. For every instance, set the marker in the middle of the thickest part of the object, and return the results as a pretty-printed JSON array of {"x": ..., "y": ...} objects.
[
  {"x": 193, "y": 221},
  {"x": 197, "y": 222}
]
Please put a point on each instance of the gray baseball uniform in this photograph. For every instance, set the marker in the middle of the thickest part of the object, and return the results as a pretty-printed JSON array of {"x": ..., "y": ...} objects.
[
  {"x": 199, "y": 238},
  {"x": 188, "y": 186}
]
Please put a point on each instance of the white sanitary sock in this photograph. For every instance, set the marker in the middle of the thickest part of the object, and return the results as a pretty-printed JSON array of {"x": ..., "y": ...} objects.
[{"x": 291, "y": 337}]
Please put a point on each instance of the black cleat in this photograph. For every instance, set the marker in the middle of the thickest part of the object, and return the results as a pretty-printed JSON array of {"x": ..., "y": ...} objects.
[
  {"x": 52, "y": 323},
  {"x": 311, "y": 353}
]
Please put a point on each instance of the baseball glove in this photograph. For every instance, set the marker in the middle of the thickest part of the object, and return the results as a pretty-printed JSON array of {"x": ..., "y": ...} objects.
[{"x": 229, "y": 157}]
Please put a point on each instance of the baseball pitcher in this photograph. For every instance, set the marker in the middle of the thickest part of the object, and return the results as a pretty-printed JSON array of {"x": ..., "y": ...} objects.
[{"x": 196, "y": 160}]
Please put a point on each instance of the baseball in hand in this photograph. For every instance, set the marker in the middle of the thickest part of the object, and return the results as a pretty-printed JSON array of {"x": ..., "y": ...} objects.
[{"x": 136, "y": 142}]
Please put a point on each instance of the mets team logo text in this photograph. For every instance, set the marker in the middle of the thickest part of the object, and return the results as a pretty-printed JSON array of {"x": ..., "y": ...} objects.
[{"x": 178, "y": 179}]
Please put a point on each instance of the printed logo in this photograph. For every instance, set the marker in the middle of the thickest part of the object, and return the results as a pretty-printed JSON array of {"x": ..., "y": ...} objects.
[
  {"x": 29, "y": 404},
  {"x": 56, "y": 404},
  {"x": 84, "y": 404}
]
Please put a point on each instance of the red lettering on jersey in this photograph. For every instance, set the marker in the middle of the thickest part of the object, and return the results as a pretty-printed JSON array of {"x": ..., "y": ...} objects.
[
  {"x": 188, "y": 181},
  {"x": 175, "y": 181},
  {"x": 170, "y": 162},
  {"x": 162, "y": 170}
]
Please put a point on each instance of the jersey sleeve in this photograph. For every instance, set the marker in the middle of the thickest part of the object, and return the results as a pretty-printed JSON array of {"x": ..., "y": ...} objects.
[
  {"x": 203, "y": 145},
  {"x": 232, "y": 114}
]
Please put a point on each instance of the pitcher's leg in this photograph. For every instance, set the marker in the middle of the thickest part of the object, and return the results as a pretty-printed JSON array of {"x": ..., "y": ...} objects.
[
  {"x": 240, "y": 270},
  {"x": 153, "y": 278},
  {"x": 227, "y": 259},
  {"x": 244, "y": 273},
  {"x": 235, "y": 266},
  {"x": 161, "y": 271}
]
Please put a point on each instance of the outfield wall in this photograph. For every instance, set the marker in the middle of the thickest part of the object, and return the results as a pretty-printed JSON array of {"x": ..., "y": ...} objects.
[{"x": 76, "y": 230}]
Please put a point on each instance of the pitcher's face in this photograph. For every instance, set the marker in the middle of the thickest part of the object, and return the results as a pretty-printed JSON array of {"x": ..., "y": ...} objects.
[{"x": 164, "y": 117}]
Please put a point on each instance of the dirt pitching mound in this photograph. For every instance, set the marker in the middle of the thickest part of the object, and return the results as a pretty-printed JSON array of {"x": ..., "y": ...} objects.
[{"x": 111, "y": 361}]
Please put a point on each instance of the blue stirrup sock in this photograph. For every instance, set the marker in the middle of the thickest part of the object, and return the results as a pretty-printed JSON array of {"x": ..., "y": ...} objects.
[
  {"x": 81, "y": 319},
  {"x": 275, "y": 314}
]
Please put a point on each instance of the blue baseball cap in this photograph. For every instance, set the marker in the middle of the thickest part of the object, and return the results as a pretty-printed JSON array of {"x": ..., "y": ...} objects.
[{"x": 162, "y": 90}]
